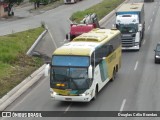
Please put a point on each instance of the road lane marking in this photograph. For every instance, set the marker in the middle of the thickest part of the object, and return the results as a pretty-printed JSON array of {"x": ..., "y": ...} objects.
[
  {"x": 136, "y": 65},
  {"x": 151, "y": 20},
  {"x": 51, "y": 36},
  {"x": 67, "y": 108},
  {"x": 148, "y": 27},
  {"x": 123, "y": 104},
  {"x": 144, "y": 41}
]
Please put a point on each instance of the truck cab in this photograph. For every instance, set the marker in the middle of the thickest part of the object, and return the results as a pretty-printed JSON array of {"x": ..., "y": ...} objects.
[
  {"x": 130, "y": 21},
  {"x": 129, "y": 26}
]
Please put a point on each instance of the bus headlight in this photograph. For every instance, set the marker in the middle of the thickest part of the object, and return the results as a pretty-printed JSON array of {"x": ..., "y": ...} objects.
[
  {"x": 54, "y": 93},
  {"x": 85, "y": 93}
]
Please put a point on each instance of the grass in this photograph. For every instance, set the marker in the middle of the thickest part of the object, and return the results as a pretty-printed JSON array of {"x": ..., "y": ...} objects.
[
  {"x": 101, "y": 9},
  {"x": 15, "y": 65}
]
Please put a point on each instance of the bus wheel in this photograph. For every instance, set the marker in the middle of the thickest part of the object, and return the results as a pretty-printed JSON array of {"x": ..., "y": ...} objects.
[
  {"x": 114, "y": 75},
  {"x": 96, "y": 92}
]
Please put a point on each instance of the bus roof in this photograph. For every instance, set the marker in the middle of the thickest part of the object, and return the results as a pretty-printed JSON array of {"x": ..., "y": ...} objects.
[
  {"x": 86, "y": 43},
  {"x": 131, "y": 7}
]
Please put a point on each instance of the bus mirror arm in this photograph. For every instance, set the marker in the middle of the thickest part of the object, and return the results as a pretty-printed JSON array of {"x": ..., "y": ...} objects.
[{"x": 90, "y": 75}]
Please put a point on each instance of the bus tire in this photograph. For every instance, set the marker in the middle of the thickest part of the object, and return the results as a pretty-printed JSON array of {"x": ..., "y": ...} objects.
[
  {"x": 96, "y": 92},
  {"x": 114, "y": 75}
]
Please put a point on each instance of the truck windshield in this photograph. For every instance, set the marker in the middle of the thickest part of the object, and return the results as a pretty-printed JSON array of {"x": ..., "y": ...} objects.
[
  {"x": 71, "y": 78},
  {"x": 129, "y": 28},
  {"x": 71, "y": 71}
]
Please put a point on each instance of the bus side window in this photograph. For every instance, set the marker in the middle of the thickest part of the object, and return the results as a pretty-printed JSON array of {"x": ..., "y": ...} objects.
[{"x": 110, "y": 50}]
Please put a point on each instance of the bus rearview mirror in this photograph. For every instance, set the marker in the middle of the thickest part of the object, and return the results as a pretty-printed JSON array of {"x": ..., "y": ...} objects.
[
  {"x": 46, "y": 70},
  {"x": 90, "y": 75}
]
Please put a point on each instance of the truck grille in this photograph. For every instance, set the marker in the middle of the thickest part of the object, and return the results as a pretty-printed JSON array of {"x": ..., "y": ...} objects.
[{"x": 128, "y": 41}]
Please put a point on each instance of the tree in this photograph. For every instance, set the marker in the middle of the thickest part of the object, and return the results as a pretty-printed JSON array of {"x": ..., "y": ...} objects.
[
  {"x": 38, "y": 2},
  {"x": 10, "y": 5}
]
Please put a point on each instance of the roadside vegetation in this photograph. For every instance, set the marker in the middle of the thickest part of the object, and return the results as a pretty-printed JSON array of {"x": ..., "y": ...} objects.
[
  {"x": 15, "y": 65},
  {"x": 101, "y": 9}
]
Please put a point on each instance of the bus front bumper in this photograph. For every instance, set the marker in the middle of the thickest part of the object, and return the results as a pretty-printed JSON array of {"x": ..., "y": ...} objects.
[{"x": 85, "y": 98}]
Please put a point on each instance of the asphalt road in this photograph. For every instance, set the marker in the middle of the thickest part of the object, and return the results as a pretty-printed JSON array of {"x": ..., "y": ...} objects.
[
  {"x": 54, "y": 18},
  {"x": 136, "y": 87}
]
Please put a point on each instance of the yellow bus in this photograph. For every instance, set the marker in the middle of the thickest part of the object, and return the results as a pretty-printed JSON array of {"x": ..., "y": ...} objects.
[{"x": 81, "y": 68}]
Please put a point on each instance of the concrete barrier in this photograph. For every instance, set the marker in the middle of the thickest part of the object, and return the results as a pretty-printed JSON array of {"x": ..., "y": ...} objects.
[{"x": 36, "y": 42}]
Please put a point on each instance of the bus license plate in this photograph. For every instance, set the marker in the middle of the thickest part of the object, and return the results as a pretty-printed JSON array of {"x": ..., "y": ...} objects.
[{"x": 69, "y": 99}]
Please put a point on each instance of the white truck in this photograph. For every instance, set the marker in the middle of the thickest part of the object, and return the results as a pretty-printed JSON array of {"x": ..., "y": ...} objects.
[{"x": 130, "y": 21}]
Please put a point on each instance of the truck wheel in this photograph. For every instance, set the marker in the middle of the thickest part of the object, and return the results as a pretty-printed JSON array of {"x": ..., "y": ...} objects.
[{"x": 140, "y": 44}]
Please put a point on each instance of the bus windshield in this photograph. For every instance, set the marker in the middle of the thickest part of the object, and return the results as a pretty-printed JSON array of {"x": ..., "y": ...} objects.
[
  {"x": 129, "y": 28},
  {"x": 71, "y": 71},
  {"x": 72, "y": 77}
]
